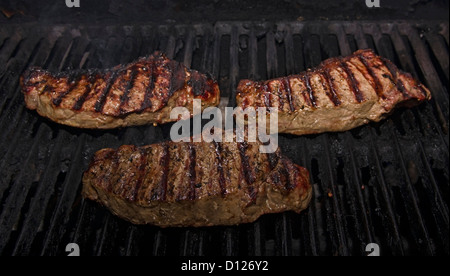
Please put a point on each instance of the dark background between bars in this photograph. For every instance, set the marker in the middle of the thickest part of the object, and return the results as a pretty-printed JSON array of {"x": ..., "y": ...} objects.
[
  {"x": 180, "y": 11},
  {"x": 386, "y": 183}
]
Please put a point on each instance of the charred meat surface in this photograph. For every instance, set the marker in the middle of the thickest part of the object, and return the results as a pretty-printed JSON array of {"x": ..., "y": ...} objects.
[
  {"x": 195, "y": 184},
  {"x": 139, "y": 93},
  {"x": 340, "y": 94}
]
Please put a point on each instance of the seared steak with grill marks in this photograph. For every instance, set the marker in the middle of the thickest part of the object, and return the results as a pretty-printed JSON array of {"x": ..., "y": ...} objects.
[
  {"x": 340, "y": 94},
  {"x": 195, "y": 184},
  {"x": 139, "y": 93}
]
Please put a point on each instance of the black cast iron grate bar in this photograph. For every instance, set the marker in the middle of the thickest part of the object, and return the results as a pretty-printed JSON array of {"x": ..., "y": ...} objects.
[
  {"x": 408, "y": 64},
  {"x": 18, "y": 193},
  {"x": 382, "y": 47},
  {"x": 399, "y": 45},
  {"x": 10, "y": 105},
  {"x": 367, "y": 224},
  {"x": 431, "y": 77},
  {"x": 40, "y": 202},
  {"x": 17, "y": 65},
  {"x": 60, "y": 217},
  {"x": 362, "y": 43},
  {"x": 412, "y": 198},
  {"x": 391, "y": 219},
  {"x": 75, "y": 47},
  {"x": 14, "y": 108},
  {"x": 311, "y": 211},
  {"x": 15, "y": 195},
  {"x": 428, "y": 242},
  {"x": 9, "y": 48},
  {"x": 427, "y": 67},
  {"x": 437, "y": 195},
  {"x": 437, "y": 44},
  {"x": 343, "y": 45},
  {"x": 11, "y": 141},
  {"x": 7, "y": 98}
]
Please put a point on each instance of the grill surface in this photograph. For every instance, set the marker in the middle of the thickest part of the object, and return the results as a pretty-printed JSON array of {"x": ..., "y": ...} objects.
[{"x": 386, "y": 183}]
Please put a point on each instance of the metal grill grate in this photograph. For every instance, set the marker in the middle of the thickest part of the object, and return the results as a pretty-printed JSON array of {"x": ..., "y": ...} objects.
[{"x": 386, "y": 183}]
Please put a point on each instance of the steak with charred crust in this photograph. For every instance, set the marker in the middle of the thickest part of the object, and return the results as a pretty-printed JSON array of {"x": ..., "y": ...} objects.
[
  {"x": 340, "y": 94},
  {"x": 195, "y": 184},
  {"x": 139, "y": 93}
]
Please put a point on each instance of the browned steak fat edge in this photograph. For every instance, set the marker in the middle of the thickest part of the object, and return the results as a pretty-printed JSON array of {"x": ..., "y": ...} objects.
[
  {"x": 340, "y": 94},
  {"x": 195, "y": 184},
  {"x": 142, "y": 92}
]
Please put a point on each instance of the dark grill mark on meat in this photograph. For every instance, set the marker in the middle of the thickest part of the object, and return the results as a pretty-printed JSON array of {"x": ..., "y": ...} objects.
[
  {"x": 124, "y": 98},
  {"x": 401, "y": 88},
  {"x": 115, "y": 96},
  {"x": 178, "y": 76},
  {"x": 187, "y": 202},
  {"x": 72, "y": 83},
  {"x": 87, "y": 89},
  {"x": 249, "y": 177},
  {"x": 326, "y": 88},
  {"x": 285, "y": 171},
  {"x": 164, "y": 163},
  {"x": 103, "y": 177},
  {"x": 147, "y": 103},
  {"x": 333, "y": 95},
  {"x": 392, "y": 69},
  {"x": 352, "y": 82},
  {"x": 398, "y": 82},
  {"x": 142, "y": 166},
  {"x": 363, "y": 87},
  {"x": 281, "y": 96},
  {"x": 312, "y": 99},
  {"x": 266, "y": 95},
  {"x": 114, "y": 166},
  {"x": 287, "y": 86},
  {"x": 244, "y": 160},
  {"x": 191, "y": 169},
  {"x": 198, "y": 83},
  {"x": 376, "y": 81},
  {"x": 222, "y": 184},
  {"x": 102, "y": 99},
  {"x": 273, "y": 159}
]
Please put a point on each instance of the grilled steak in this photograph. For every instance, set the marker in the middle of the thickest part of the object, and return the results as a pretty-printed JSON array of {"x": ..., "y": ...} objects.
[
  {"x": 135, "y": 94},
  {"x": 195, "y": 184},
  {"x": 340, "y": 94}
]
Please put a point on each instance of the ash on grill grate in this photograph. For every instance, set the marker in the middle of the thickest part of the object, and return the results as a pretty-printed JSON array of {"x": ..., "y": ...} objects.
[{"x": 385, "y": 183}]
